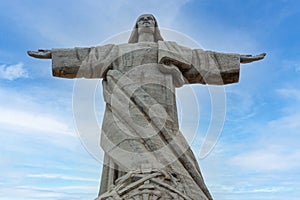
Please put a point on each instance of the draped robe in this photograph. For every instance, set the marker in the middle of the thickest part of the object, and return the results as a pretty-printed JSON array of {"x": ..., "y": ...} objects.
[{"x": 140, "y": 126}]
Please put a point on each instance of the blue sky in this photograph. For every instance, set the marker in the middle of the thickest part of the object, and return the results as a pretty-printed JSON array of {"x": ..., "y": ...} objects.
[{"x": 257, "y": 155}]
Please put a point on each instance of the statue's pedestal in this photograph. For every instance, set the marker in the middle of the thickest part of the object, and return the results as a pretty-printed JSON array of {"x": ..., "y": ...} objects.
[{"x": 151, "y": 185}]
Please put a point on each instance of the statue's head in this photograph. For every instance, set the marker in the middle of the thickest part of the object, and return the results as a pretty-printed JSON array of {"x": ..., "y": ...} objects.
[{"x": 146, "y": 23}]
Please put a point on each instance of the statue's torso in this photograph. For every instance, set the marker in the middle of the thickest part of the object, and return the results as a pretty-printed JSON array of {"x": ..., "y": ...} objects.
[
  {"x": 135, "y": 55},
  {"x": 145, "y": 104}
]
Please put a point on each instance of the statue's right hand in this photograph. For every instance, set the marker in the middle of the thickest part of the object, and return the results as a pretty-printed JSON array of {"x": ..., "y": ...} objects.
[{"x": 41, "y": 53}]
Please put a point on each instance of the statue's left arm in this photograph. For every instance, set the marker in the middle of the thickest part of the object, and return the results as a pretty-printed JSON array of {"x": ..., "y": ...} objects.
[
  {"x": 204, "y": 67},
  {"x": 91, "y": 62},
  {"x": 209, "y": 67}
]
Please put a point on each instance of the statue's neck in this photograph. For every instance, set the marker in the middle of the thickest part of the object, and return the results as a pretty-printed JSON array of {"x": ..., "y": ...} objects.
[{"x": 146, "y": 37}]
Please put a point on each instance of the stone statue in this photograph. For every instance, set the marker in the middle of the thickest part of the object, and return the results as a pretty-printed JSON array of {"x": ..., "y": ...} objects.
[{"x": 146, "y": 156}]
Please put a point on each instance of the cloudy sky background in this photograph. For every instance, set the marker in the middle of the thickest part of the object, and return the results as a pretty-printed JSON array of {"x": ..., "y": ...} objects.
[{"x": 257, "y": 155}]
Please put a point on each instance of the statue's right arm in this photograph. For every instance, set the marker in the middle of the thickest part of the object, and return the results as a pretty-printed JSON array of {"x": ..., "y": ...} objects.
[
  {"x": 65, "y": 62},
  {"x": 41, "y": 54},
  {"x": 79, "y": 62}
]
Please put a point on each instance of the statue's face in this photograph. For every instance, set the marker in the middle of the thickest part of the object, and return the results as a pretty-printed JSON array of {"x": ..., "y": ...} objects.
[{"x": 146, "y": 21}]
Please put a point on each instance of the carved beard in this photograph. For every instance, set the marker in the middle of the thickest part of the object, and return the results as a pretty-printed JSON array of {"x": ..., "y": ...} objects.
[{"x": 146, "y": 29}]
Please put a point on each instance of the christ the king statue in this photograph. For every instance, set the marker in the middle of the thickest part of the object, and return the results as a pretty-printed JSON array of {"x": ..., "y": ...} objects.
[{"x": 146, "y": 155}]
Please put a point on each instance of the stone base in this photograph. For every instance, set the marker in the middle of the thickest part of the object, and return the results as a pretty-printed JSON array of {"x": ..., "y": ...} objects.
[{"x": 153, "y": 185}]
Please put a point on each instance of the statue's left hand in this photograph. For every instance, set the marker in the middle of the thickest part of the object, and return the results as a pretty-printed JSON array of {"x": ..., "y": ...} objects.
[
  {"x": 249, "y": 58},
  {"x": 41, "y": 53}
]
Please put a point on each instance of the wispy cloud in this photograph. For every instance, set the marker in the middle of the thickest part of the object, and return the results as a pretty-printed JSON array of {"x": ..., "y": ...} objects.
[
  {"x": 289, "y": 124},
  {"x": 269, "y": 190},
  {"x": 29, "y": 193},
  {"x": 289, "y": 121},
  {"x": 276, "y": 146},
  {"x": 272, "y": 158},
  {"x": 291, "y": 65},
  {"x": 292, "y": 93},
  {"x": 12, "y": 72},
  {"x": 92, "y": 189},
  {"x": 240, "y": 105},
  {"x": 31, "y": 120},
  {"x": 66, "y": 29},
  {"x": 243, "y": 189},
  {"x": 61, "y": 176},
  {"x": 32, "y": 109}
]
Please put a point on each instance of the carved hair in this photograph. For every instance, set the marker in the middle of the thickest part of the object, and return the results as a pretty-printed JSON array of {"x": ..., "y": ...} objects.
[{"x": 135, "y": 35}]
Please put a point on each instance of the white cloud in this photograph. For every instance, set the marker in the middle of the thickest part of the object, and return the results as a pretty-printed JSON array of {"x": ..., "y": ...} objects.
[
  {"x": 275, "y": 149},
  {"x": 80, "y": 187},
  {"x": 65, "y": 28},
  {"x": 289, "y": 93},
  {"x": 269, "y": 190},
  {"x": 63, "y": 177},
  {"x": 34, "y": 110},
  {"x": 243, "y": 189},
  {"x": 291, "y": 65},
  {"x": 17, "y": 119},
  {"x": 26, "y": 193},
  {"x": 30, "y": 193},
  {"x": 240, "y": 105},
  {"x": 12, "y": 72},
  {"x": 271, "y": 158},
  {"x": 289, "y": 124}
]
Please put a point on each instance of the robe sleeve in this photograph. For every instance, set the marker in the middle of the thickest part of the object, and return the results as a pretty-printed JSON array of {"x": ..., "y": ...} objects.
[
  {"x": 90, "y": 62},
  {"x": 200, "y": 66}
]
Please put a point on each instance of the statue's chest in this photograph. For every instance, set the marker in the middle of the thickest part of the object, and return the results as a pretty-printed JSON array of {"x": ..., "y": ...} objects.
[
  {"x": 135, "y": 55},
  {"x": 137, "y": 72}
]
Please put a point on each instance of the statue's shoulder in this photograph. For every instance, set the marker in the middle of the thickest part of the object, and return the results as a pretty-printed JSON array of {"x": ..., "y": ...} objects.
[
  {"x": 167, "y": 43},
  {"x": 172, "y": 46}
]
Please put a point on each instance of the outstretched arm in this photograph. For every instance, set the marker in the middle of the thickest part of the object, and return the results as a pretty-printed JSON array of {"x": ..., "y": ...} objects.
[
  {"x": 249, "y": 58},
  {"x": 41, "y": 53},
  {"x": 90, "y": 62}
]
